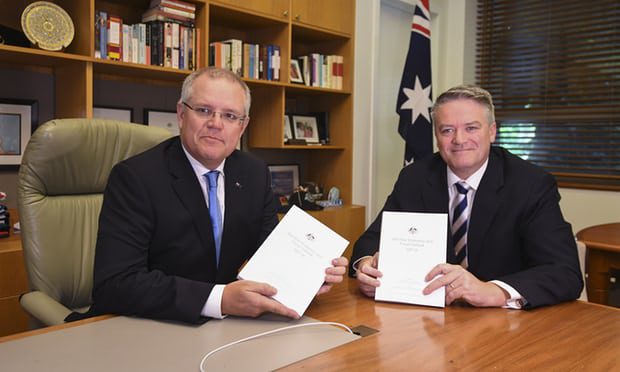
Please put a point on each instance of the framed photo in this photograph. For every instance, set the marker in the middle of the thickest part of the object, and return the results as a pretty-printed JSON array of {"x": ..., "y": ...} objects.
[
  {"x": 18, "y": 119},
  {"x": 305, "y": 128},
  {"x": 163, "y": 119},
  {"x": 114, "y": 113},
  {"x": 296, "y": 76},
  {"x": 288, "y": 133},
  {"x": 284, "y": 179}
]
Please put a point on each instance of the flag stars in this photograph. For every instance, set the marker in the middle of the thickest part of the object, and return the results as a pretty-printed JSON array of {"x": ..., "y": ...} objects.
[{"x": 419, "y": 101}]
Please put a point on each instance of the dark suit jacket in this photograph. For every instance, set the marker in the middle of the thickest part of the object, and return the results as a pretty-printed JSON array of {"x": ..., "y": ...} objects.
[
  {"x": 517, "y": 233},
  {"x": 155, "y": 254}
]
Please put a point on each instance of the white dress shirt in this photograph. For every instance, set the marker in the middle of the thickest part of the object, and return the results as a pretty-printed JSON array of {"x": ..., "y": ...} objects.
[
  {"x": 213, "y": 307},
  {"x": 515, "y": 301}
]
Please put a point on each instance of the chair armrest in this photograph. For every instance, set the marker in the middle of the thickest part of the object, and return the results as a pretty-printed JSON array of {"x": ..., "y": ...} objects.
[{"x": 44, "y": 308}]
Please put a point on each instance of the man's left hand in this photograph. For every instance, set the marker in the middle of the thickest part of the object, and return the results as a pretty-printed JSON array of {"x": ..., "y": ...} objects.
[
  {"x": 334, "y": 274},
  {"x": 461, "y": 284}
]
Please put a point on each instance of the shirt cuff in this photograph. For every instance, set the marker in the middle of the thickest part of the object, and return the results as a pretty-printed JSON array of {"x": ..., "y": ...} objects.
[
  {"x": 213, "y": 306},
  {"x": 515, "y": 300}
]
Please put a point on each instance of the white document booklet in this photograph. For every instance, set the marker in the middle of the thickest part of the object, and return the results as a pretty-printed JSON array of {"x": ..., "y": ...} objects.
[
  {"x": 411, "y": 245},
  {"x": 294, "y": 257}
]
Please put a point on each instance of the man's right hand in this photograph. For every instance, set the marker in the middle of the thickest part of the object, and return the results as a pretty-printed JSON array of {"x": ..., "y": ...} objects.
[
  {"x": 367, "y": 275},
  {"x": 248, "y": 298}
]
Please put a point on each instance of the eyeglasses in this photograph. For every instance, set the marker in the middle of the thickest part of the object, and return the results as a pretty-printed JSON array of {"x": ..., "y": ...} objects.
[{"x": 209, "y": 114}]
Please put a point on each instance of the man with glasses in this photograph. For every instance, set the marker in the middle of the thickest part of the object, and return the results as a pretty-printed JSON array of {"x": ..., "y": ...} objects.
[{"x": 179, "y": 220}]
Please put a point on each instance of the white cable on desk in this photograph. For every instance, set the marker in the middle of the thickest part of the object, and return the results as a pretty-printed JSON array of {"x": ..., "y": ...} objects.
[{"x": 202, "y": 362}]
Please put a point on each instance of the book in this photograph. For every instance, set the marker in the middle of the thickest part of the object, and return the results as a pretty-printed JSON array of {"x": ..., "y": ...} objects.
[
  {"x": 236, "y": 55},
  {"x": 167, "y": 44},
  {"x": 157, "y": 15},
  {"x": 103, "y": 34},
  {"x": 100, "y": 27},
  {"x": 182, "y": 5},
  {"x": 126, "y": 43},
  {"x": 115, "y": 41}
]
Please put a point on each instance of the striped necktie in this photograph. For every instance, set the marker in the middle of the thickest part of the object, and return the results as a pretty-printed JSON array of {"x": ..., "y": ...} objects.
[
  {"x": 459, "y": 223},
  {"x": 214, "y": 212}
]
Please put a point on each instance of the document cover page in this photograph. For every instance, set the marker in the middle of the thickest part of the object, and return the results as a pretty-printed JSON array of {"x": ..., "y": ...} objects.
[{"x": 294, "y": 257}]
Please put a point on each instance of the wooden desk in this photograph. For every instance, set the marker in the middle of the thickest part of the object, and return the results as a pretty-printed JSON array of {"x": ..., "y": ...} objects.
[
  {"x": 569, "y": 336},
  {"x": 602, "y": 253},
  {"x": 13, "y": 282}
]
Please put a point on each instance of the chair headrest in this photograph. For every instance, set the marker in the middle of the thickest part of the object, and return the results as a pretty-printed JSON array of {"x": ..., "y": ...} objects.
[{"x": 75, "y": 156}]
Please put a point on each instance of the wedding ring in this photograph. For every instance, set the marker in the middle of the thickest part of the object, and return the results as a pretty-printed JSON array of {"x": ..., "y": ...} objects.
[{"x": 452, "y": 285}]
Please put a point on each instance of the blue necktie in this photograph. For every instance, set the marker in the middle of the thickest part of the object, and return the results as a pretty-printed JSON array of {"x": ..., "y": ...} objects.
[
  {"x": 214, "y": 212},
  {"x": 459, "y": 224}
]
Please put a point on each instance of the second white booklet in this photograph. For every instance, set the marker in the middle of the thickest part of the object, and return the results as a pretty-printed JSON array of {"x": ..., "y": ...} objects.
[
  {"x": 411, "y": 245},
  {"x": 294, "y": 257}
]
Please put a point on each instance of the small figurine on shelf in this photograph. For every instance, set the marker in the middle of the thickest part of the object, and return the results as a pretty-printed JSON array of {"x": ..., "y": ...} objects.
[
  {"x": 5, "y": 221},
  {"x": 333, "y": 199},
  {"x": 305, "y": 197}
]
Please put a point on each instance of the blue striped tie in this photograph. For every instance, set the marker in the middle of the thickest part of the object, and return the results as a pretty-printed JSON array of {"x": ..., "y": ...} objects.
[
  {"x": 214, "y": 212},
  {"x": 459, "y": 224}
]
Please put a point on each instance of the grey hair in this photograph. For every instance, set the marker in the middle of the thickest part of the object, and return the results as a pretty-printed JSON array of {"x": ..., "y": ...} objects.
[
  {"x": 215, "y": 73},
  {"x": 471, "y": 92}
]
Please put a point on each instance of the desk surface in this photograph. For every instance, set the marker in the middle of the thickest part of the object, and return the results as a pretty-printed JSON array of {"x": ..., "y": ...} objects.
[
  {"x": 604, "y": 237},
  {"x": 569, "y": 336}
]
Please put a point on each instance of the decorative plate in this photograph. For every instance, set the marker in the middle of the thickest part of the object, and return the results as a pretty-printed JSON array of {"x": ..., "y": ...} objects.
[{"x": 47, "y": 25}]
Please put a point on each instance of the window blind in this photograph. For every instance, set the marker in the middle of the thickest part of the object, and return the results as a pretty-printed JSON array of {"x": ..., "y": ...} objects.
[{"x": 553, "y": 68}]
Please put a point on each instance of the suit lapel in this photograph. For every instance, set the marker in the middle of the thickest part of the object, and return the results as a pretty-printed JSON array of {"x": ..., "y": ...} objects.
[
  {"x": 235, "y": 184},
  {"x": 486, "y": 204},
  {"x": 188, "y": 190}
]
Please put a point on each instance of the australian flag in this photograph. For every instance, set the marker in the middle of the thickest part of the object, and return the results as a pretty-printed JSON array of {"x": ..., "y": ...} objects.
[{"x": 414, "y": 96}]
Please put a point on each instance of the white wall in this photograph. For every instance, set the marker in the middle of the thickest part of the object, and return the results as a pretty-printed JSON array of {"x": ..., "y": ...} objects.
[
  {"x": 382, "y": 39},
  {"x": 383, "y": 27},
  {"x": 583, "y": 208}
]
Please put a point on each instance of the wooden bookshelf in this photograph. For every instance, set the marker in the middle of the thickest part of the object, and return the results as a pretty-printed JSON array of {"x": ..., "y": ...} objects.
[{"x": 299, "y": 27}]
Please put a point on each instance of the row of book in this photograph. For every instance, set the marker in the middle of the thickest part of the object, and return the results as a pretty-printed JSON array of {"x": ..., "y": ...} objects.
[
  {"x": 324, "y": 71},
  {"x": 166, "y": 37},
  {"x": 253, "y": 61}
]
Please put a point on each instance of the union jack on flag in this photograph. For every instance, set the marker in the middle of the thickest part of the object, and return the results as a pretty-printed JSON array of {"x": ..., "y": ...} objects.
[{"x": 414, "y": 96}]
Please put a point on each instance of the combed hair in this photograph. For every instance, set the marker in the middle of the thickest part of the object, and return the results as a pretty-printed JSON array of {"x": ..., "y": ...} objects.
[
  {"x": 471, "y": 92},
  {"x": 215, "y": 73}
]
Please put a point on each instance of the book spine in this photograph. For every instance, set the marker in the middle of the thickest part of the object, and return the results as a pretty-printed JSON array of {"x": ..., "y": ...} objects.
[
  {"x": 115, "y": 38},
  {"x": 147, "y": 44},
  {"x": 177, "y": 12},
  {"x": 167, "y": 44},
  {"x": 174, "y": 4},
  {"x": 126, "y": 43},
  {"x": 98, "y": 34},
  {"x": 276, "y": 64},
  {"x": 104, "y": 34}
]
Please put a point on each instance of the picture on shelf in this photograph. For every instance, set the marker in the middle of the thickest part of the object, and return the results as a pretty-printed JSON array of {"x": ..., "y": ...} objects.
[
  {"x": 288, "y": 133},
  {"x": 162, "y": 119},
  {"x": 113, "y": 113},
  {"x": 305, "y": 128},
  {"x": 284, "y": 179},
  {"x": 296, "y": 76},
  {"x": 18, "y": 119}
]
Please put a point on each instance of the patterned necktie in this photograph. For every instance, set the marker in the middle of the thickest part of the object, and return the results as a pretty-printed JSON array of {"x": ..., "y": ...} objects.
[
  {"x": 459, "y": 224},
  {"x": 214, "y": 212}
]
